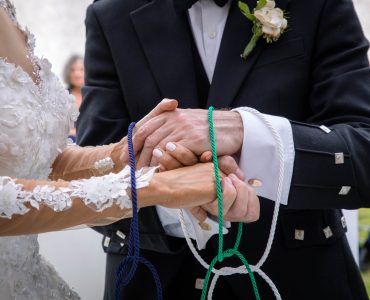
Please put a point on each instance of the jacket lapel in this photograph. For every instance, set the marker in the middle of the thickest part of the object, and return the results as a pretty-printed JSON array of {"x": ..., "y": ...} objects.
[
  {"x": 165, "y": 39},
  {"x": 231, "y": 70}
]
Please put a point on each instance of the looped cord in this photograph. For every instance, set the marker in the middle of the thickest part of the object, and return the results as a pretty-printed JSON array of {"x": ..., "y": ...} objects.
[
  {"x": 226, "y": 271},
  {"x": 133, "y": 257},
  {"x": 230, "y": 252}
]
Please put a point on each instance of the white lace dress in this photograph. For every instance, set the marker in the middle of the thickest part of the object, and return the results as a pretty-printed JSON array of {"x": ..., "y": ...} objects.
[{"x": 34, "y": 123}]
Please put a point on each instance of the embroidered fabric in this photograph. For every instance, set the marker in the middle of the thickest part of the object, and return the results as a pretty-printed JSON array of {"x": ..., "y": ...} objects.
[
  {"x": 35, "y": 117},
  {"x": 98, "y": 193}
]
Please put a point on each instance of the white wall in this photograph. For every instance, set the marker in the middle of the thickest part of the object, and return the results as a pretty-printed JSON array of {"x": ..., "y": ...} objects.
[{"x": 58, "y": 26}]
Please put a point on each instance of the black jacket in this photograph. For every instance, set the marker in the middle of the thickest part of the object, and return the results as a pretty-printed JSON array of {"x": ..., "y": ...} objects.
[{"x": 317, "y": 73}]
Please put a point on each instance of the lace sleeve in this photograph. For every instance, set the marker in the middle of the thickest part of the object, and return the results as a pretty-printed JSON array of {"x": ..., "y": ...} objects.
[
  {"x": 98, "y": 193},
  {"x": 84, "y": 162}
]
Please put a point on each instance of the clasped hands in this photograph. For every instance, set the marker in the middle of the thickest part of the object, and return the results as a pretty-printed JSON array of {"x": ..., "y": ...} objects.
[{"x": 173, "y": 138}]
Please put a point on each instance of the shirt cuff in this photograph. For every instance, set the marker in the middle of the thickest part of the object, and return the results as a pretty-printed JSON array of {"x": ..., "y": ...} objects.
[
  {"x": 170, "y": 221},
  {"x": 259, "y": 158}
]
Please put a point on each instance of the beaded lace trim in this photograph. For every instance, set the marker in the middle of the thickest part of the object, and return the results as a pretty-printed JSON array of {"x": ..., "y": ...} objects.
[
  {"x": 99, "y": 193},
  {"x": 104, "y": 165}
]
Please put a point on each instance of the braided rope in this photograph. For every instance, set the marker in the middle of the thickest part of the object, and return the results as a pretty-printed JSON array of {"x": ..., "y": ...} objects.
[
  {"x": 230, "y": 252},
  {"x": 133, "y": 257},
  {"x": 257, "y": 268}
]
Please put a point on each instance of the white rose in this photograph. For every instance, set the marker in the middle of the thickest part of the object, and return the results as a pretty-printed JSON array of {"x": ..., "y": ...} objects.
[
  {"x": 272, "y": 20},
  {"x": 270, "y": 4}
]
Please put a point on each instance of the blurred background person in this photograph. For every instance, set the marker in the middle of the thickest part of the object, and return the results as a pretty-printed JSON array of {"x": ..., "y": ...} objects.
[{"x": 74, "y": 77}]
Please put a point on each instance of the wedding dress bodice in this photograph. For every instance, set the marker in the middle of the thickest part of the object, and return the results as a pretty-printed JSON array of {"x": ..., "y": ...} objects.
[
  {"x": 35, "y": 118},
  {"x": 34, "y": 123}
]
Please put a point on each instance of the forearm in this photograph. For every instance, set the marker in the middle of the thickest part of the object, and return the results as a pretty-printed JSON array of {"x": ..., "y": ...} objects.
[
  {"x": 84, "y": 162},
  {"x": 29, "y": 206}
]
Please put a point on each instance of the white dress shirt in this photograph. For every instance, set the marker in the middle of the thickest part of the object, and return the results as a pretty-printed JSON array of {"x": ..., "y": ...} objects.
[{"x": 259, "y": 156}]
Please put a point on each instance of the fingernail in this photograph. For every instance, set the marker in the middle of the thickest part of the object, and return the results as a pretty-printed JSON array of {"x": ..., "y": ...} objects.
[
  {"x": 240, "y": 174},
  {"x": 157, "y": 153},
  {"x": 166, "y": 100},
  {"x": 171, "y": 147}
]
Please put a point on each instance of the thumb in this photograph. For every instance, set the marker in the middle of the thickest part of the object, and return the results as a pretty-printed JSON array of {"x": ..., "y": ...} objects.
[{"x": 206, "y": 157}]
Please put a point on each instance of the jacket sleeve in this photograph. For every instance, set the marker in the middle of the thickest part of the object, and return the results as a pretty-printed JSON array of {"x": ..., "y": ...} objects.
[{"x": 332, "y": 163}]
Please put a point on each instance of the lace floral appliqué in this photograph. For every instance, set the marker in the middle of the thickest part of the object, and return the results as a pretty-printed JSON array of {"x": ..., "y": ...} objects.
[{"x": 99, "y": 193}]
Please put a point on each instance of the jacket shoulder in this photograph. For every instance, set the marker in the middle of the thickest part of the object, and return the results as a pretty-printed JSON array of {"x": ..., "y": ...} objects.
[{"x": 116, "y": 6}]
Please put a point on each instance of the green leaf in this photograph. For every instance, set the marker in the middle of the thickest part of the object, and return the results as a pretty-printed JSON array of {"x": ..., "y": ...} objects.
[
  {"x": 261, "y": 3},
  {"x": 245, "y": 10}
]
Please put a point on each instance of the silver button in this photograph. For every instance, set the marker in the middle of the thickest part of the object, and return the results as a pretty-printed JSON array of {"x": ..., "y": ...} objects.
[
  {"x": 121, "y": 234},
  {"x": 339, "y": 158},
  {"x": 199, "y": 283},
  {"x": 328, "y": 233},
  {"x": 106, "y": 241},
  {"x": 344, "y": 190},
  {"x": 212, "y": 35},
  {"x": 122, "y": 244},
  {"x": 325, "y": 129},
  {"x": 299, "y": 234},
  {"x": 343, "y": 221}
]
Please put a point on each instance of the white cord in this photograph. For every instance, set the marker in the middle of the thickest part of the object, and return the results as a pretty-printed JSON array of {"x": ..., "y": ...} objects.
[{"x": 255, "y": 268}]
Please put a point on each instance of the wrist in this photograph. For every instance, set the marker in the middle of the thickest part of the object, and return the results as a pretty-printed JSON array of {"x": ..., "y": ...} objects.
[
  {"x": 158, "y": 192},
  {"x": 229, "y": 131},
  {"x": 117, "y": 155}
]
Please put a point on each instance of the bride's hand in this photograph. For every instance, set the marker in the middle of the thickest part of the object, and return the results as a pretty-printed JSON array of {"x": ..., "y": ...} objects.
[
  {"x": 119, "y": 153},
  {"x": 185, "y": 187},
  {"x": 240, "y": 202}
]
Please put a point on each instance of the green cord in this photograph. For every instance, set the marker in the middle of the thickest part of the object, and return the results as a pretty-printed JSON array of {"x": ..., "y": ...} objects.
[
  {"x": 218, "y": 184},
  {"x": 230, "y": 252}
]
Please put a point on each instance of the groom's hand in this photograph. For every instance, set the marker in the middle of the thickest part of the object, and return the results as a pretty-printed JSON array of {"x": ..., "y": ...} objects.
[
  {"x": 240, "y": 203},
  {"x": 189, "y": 128}
]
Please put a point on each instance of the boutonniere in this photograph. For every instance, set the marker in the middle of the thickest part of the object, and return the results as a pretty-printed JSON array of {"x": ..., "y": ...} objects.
[{"x": 268, "y": 22}]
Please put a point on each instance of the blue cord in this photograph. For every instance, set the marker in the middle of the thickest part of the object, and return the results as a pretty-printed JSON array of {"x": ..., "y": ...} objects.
[{"x": 133, "y": 257}]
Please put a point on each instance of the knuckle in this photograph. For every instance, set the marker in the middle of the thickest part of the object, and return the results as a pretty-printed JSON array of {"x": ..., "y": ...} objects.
[
  {"x": 150, "y": 142},
  {"x": 227, "y": 160},
  {"x": 253, "y": 216},
  {"x": 241, "y": 211},
  {"x": 142, "y": 132}
]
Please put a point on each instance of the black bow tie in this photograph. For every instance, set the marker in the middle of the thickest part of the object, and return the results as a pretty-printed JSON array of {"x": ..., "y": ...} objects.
[{"x": 183, "y": 5}]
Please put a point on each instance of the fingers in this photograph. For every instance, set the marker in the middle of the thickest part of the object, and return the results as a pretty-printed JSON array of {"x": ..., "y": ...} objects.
[
  {"x": 229, "y": 195},
  {"x": 228, "y": 165},
  {"x": 144, "y": 128},
  {"x": 164, "y": 160},
  {"x": 181, "y": 154},
  {"x": 206, "y": 157},
  {"x": 149, "y": 144},
  {"x": 240, "y": 202},
  {"x": 175, "y": 156},
  {"x": 199, "y": 213},
  {"x": 246, "y": 207},
  {"x": 163, "y": 106}
]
